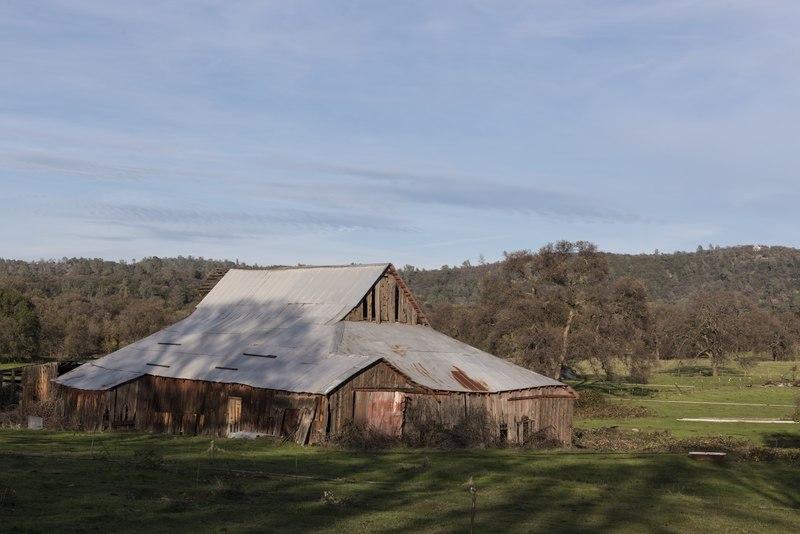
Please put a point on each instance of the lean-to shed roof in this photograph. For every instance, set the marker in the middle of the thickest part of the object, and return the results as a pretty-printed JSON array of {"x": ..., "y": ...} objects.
[{"x": 283, "y": 329}]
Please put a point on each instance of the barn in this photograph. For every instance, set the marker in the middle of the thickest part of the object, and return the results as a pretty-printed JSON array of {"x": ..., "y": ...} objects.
[{"x": 299, "y": 353}]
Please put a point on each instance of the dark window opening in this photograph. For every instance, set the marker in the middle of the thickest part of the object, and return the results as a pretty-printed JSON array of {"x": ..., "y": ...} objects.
[{"x": 396, "y": 303}]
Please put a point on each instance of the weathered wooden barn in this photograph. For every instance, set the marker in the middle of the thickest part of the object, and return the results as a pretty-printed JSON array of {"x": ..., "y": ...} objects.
[{"x": 298, "y": 352}]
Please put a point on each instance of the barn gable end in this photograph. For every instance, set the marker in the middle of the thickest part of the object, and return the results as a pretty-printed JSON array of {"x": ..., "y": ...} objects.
[{"x": 389, "y": 300}]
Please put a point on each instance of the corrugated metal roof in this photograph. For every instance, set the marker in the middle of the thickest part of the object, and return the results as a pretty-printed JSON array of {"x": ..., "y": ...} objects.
[
  {"x": 436, "y": 361},
  {"x": 339, "y": 289},
  {"x": 283, "y": 329}
]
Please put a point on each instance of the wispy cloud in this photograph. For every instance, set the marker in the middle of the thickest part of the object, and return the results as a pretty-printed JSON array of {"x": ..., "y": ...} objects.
[
  {"x": 228, "y": 224},
  {"x": 396, "y": 124},
  {"x": 407, "y": 187}
]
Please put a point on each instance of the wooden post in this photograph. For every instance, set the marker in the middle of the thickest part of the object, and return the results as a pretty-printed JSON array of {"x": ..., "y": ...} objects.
[{"x": 473, "y": 489}]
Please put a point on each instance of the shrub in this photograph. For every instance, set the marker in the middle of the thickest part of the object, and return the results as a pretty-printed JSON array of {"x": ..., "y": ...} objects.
[
  {"x": 361, "y": 436},
  {"x": 541, "y": 439},
  {"x": 594, "y": 405},
  {"x": 614, "y": 439},
  {"x": 331, "y": 499},
  {"x": 423, "y": 428}
]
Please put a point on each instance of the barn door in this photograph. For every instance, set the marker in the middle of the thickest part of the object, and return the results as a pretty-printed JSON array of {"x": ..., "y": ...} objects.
[
  {"x": 382, "y": 410},
  {"x": 234, "y": 414}
]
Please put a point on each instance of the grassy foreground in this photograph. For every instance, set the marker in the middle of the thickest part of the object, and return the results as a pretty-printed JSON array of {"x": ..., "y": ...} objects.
[{"x": 125, "y": 482}]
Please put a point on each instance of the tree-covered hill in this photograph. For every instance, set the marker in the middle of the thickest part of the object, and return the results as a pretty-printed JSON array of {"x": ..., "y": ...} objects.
[
  {"x": 569, "y": 303},
  {"x": 634, "y": 308},
  {"x": 768, "y": 275},
  {"x": 85, "y": 307}
]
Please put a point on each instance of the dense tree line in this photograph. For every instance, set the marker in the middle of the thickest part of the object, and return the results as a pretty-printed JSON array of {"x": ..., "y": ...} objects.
[
  {"x": 566, "y": 303},
  {"x": 77, "y": 308},
  {"x": 769, "y": 276}
]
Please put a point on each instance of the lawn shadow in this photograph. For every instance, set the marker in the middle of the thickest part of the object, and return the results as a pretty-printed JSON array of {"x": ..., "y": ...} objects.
[{"x": 782, "y": 440}]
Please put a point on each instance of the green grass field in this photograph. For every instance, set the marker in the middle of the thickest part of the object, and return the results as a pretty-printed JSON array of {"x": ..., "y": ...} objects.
[
  {"x": 676, "y": 394},
  {"x": 135, "y": 482},
  {"x": 132, "y": 482}
]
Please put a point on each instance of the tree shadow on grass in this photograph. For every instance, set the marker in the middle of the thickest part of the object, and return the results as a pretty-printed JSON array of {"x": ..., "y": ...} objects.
[
  {"x": 705, "y": 370},
  {"x": 782, "y": 440},
  {"x": 293, "y": 489}
]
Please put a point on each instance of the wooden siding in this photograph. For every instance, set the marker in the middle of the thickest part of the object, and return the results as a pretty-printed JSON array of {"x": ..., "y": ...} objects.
[
  {"x": 389, "y": 300},
  {"x": 545, "y": 411},
  {"x": 176, "y": 406},
  {"x": 37, "y": 383},
  {"x": 379, "y": 395},
  {"x": 380, "y": 376},
  {"x": 514, "y": 416}
]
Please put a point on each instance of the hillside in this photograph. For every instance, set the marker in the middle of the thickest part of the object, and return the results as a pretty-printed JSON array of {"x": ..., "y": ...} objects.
[
  {"x": 769, "y": 275},
  {"x": 75, "y": 308}
]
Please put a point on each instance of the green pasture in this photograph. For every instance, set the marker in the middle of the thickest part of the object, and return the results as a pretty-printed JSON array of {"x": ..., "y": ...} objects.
[
  {"x": 11, "y": 365},
  {"x": 126, "y": 482},
  {"x": 686, "y": 392}
]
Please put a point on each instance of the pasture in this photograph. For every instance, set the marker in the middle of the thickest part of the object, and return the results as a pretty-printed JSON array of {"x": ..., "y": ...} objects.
[
  {"x": 686, "y": 392},
  {"x": 124, "y": 482},
  {"x": 132, "y": 482}
]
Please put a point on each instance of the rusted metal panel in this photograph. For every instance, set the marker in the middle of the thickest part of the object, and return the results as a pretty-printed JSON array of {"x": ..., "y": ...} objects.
[
  {"x": 379, "y": 377},
  {"x": 382, "y": 410},
  {"x": 471, "y": 384}
]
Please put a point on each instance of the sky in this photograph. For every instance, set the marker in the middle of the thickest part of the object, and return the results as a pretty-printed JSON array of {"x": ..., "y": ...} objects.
[{"x": 415, "y": 132}]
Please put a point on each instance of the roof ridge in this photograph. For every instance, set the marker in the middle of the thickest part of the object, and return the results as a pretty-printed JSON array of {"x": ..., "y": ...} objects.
[{"x": 300, "y": 267}]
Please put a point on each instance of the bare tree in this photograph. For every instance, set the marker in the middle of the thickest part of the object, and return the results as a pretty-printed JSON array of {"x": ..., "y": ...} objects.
[{"x": 566, "y": 276}]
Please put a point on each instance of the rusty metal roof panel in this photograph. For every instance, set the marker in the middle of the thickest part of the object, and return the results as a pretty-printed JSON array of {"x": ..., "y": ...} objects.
[{"x": 436, "y": 361}]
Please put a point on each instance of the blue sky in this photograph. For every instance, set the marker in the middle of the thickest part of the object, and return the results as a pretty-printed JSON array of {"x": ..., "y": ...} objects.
[{"x": 424, "y": 133}]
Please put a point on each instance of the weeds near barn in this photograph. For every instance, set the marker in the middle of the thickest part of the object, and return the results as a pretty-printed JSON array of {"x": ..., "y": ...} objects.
[
  {"x": 214, "y": 449},
  {"x": 329, "y": 498},
  {"x": 360, "y": 436},
  {"x": 51, "y": 412}
]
